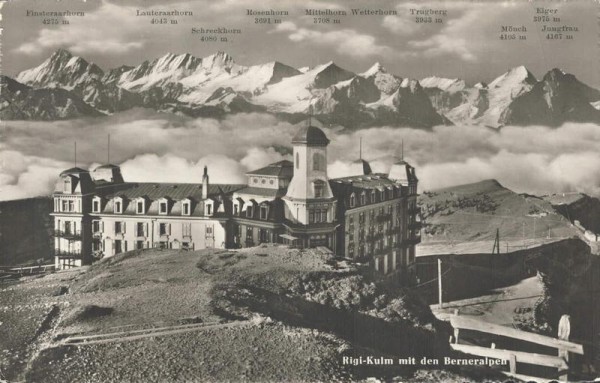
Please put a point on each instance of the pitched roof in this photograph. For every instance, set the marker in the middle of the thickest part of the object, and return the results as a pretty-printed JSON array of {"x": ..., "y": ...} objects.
[
  {"x": 283, "y": 168},
  {"x": 262, "y": 192},
  {"x": 174, "y": 191},
  {"x": 371, "y": 181},
  {"x": 310, "y": 135},
  {"x": 74, "y": 170}
]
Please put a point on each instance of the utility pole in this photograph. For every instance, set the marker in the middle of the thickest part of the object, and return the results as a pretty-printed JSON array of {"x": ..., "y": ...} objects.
[
  {"x": 496, "y": 249},
  {"x": 441, "y": 303}
]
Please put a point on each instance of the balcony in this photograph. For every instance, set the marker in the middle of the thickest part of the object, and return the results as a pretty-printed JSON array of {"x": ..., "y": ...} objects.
[
  {"x": 374, "y": 237},
  {"x": 414, "y": 210},
  {"x": 68, "y": 234},
  {"x": 393, "y": 230},
  {"x": 416, "y": 225},
  {"x": 67, "y": 253},
  {"x": 383, "y": 218}
]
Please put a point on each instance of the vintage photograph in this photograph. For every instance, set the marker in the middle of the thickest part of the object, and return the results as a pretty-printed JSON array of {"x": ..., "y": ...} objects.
[{"x": 299, "y": 191}]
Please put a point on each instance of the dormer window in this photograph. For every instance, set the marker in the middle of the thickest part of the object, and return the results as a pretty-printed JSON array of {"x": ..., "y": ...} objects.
[
  {"x": 352, "y": 200},
  {"x": 163, "y": 206},
  {"x": 383, "y": 195},
  {"x": 185, "y": 207},
  {"x": 118, "y": 206},
  {"x": 318, "y": 187},
  {"x": 208, "y": 209},
  {"x": 249, "y": 211},
  {"x": 67, "y": 185},
  {"x": 264, "y": 212},
  {"x": 373, "y": 196},
  {"x": 139, "y": 206},
  {"x": 96, "y": 205},
  {"x": 363, "y": 198}
]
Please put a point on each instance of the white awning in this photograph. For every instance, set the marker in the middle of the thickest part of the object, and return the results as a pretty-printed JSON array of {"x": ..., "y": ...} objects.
[{"x": 286, "y": 236}]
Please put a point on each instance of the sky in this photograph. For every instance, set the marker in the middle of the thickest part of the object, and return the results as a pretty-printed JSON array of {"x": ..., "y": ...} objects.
[{"x": 466, "y": 44}]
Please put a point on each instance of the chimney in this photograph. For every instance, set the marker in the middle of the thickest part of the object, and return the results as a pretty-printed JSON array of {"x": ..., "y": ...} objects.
[{"x": 205, "y": 183}]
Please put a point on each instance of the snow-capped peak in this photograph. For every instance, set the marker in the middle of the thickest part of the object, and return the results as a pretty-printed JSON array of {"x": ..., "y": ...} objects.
[
  {"x": 445, "y": 84},
  {"x": 219, "y": 59},
  {"x": 61, "y": 69},
  {"x": 514, "y": 77},
  {"x": 373, "y": 70}
]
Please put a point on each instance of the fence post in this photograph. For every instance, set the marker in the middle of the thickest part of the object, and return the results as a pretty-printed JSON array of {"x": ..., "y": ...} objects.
[
  {"x": 513, "y": 363},
  {"x": 564, "y": 332}
]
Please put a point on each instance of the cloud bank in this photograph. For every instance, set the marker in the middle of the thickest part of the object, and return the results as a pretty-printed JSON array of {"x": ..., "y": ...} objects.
[{"x": 153, "y": 146}]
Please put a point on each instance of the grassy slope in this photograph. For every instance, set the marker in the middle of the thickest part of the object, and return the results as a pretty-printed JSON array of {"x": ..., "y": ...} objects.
[
  {"x": 318, "y": 314},
  {"x": 472, "y": 213}
]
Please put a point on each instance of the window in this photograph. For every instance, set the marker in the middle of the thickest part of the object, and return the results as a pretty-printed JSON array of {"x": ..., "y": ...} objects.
[
  {"x": 208, "y": 209},
  {"x": 352, "y": 200},
  {"x": 373, "y": 196},
  {"x": 236, "y": 209},
  {"x": 318, "y": 187},
  {"x": 311, "y": 216},
  {"x": 318, "y": 162},
  {"x": 65, "y": 206},
  {"x": 96, "y": 206},
  {"x": 185, "y": 208},
  {"x": 139, "y": 245},
  {"x": 139, "y": 229},
  {"x": 163, "y": 229},
  {"x": 263, "y": 181},
  {"x": 67, "y": 186},
  {"x": 118, "y": 207},
  {"x": 163, "y": 207},
  {"x": 118, "y": 227},
  {"x": 71, "y": 206},
  {"x": 264, "y": 212},
  {"x": 324, "y": 215},
  {"x": 297, "y": 161},
  {"x": 362, "y": 198},
  {"x": 249, "y": 212},
  {"x": 209, "y": 230},
  {"x": 382, "y": 195},
  {"x": 187, "y": 229},
  {"x": 140, "y": 207}
]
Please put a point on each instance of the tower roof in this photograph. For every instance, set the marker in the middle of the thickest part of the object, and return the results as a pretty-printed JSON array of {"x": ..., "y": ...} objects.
[
  {"x": 310, "y": 135},
  {"x": 107, "y": 166},
  {"x": 362, "y": 166},
  {"x": 74, "y": 170}
]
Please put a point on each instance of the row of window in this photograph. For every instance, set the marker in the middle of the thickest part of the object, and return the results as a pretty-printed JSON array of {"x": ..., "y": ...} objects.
[
  {"x": 374, "y": 196},
  {"x": 67, "y": 206},
  {"x": 140, "y": 207},
  {"x": 263, "y": 211},
  {"x": 121, "y": 246},
  {"x": 141, "y": 229}
]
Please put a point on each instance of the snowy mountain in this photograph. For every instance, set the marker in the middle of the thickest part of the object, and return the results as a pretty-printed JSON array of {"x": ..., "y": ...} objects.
[
  {"x": 22, "y": 102},
  {"x": 515, "y": 98},
  {"x": 216, "y": 85}
]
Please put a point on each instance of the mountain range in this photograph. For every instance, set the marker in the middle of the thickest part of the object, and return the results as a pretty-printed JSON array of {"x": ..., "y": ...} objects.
[{"x": 66, "y": 86}]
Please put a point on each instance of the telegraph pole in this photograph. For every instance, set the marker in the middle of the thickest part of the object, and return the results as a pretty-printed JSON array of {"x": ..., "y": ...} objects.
[{"x": 439, "y": 262}]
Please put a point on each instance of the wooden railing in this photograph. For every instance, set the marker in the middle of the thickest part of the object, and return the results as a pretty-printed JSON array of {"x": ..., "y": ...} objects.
[{"x": 513, "y": 357}]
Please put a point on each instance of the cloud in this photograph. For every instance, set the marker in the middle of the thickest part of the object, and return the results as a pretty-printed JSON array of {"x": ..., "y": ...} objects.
[
  {"x": 159, "y": 147},
  {"x": 345, "y": 41},
  {"x": 81, "y": 38},
  {"x": 23, "y": 176}
]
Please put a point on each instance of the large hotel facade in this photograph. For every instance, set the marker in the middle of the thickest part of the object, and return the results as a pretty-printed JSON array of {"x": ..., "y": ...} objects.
[{"x": 366, "y": 217}]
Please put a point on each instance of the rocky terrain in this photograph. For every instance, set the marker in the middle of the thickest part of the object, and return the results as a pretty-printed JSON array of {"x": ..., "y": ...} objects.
[
  {"x": 67, "y": 86},
  {"x": 265, "y": 313}
]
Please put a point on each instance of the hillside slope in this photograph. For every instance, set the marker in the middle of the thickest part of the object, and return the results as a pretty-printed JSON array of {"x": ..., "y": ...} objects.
[
  {"x": 465, "y": 219},
  {"x": 268, "y": 313}
]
